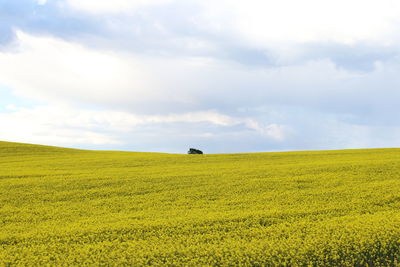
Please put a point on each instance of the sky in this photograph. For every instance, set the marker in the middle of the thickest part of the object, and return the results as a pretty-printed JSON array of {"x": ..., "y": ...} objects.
[{"x": 223, "y": 76}]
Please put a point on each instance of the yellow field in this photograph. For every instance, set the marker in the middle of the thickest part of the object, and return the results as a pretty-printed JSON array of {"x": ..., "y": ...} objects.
[{"x": 73, "y": 207}]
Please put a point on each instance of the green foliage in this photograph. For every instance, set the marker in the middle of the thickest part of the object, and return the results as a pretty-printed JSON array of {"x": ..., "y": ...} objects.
[{"x": 75, "y": 207}]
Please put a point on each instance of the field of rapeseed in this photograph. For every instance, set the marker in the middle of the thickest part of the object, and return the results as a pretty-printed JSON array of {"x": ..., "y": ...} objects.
[{"x": 74, "y": 207}]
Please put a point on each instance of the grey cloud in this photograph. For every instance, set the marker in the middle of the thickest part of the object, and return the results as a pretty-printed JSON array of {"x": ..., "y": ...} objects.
[
  {"x": 358, "y": 57},
  {"x": 29, "y": 16}
]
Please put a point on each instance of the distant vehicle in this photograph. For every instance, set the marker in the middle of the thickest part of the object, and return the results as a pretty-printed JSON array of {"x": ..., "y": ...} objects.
[{"x": 194, "y": 151}]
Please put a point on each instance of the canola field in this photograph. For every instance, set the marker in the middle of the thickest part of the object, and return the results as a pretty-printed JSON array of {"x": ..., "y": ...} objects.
[{"x": 66, "y": 207}]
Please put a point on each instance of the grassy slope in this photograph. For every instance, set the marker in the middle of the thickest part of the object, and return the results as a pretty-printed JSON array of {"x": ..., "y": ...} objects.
[{"x": 64, "y": 206}]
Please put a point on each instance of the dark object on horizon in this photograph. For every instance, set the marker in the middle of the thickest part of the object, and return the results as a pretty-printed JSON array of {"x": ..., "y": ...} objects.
[{"x": 194, "y": 151}]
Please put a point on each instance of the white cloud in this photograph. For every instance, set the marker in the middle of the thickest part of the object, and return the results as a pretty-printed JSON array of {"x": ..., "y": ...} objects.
[
  {"x": 276, "y": 131},
  {"x": 55, "y": 71},
  {"x": 62, "y": 125},
  {"x": 51, "y": 69},
  {"x": 41, "y": 2},
  {"x": 114, "y": 6},
  {"x": 45, "y": 126},
  {"x": 271, "y": 23}
]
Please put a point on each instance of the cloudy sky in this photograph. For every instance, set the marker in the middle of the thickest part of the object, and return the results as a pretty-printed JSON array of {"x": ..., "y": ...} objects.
[{"x": 222, "y": 76}]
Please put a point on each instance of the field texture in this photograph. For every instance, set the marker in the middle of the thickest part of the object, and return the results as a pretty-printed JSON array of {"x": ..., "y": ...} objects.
[{"x": 74, "y": 207}]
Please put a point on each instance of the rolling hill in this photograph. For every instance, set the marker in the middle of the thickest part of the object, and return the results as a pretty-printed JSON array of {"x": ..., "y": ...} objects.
[{"x": 63, "y": 206}]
